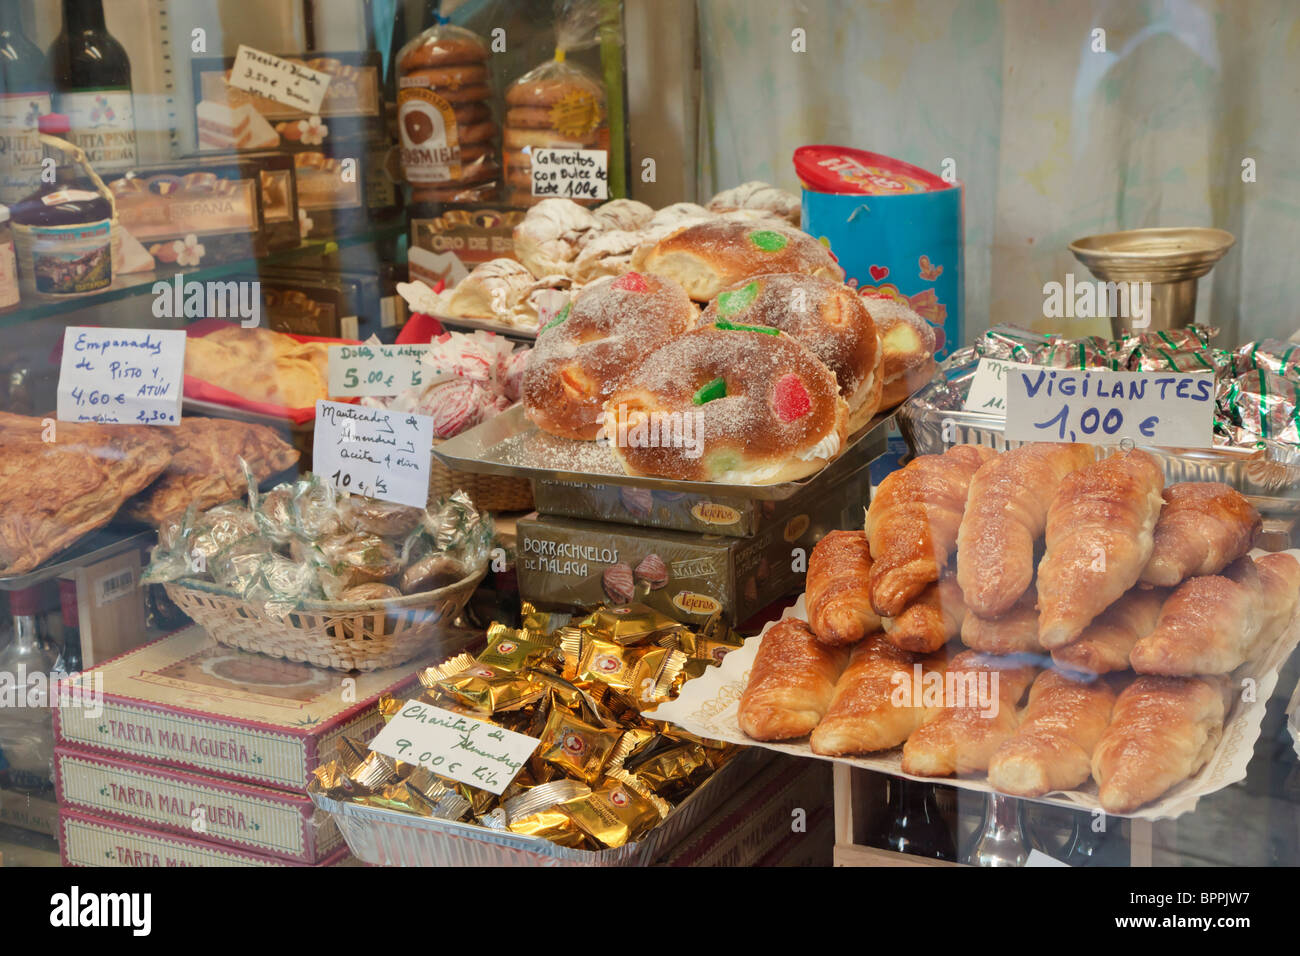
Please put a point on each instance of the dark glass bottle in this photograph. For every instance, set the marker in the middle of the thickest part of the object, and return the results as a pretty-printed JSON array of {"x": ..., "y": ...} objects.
[
  {"x": 71, "y": 626},
  {"x": 92, "y": 78},
  {"x": 915, "y": 824},
  {"x": 24, "y": 98}
]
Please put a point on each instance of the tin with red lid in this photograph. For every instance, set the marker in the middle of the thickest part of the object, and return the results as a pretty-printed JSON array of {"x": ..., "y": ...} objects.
[{"x": 895, "y": 228}]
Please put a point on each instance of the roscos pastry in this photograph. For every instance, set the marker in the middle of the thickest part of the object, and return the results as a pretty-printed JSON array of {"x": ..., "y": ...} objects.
[
  {"x": 493, "y": 290},
  {"x": 1099, "y": 538},
  {"x": 1162, "y": 731},
  {"x": 826, "y": 316},
  {"x": 739, "y": 404},
  {"x": 625, "y": 215},
  {"x": 582, "y": 353},
  {"x": 839, "y": 607},
  {"x": 706, "y": 258},
  {"x": 677, "y": 215},
  {"x": 908, "y": 345},
  {"x": 1006, "y": 512},
  {"x": 912, "y": 523},
  {"x": 1059, "y": 730},
  {"x": 205, "y": 467},
  {"x": 605, "y": 254},
  {"x": 791, "y": 683},
  {"x": 761, "y": 196},
  {"x": 54, "y": 492},
  {"x": 1203, "y": 527},
  {"x": 547, "y": 239}
]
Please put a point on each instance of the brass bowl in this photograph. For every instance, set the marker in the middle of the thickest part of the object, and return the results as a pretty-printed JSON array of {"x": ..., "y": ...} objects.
[{"x": 1171, "y": 259}]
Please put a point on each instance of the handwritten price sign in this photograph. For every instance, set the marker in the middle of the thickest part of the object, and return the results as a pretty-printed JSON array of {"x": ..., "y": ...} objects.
[
  {"x": 463, "y": 748},
  {"x": 121, "y": 376},
  {"x": 570, "y": 173},
  {"x": 1100, "y": 407},
  {"x": 374, "y": 451},
  {"x": 356, "y": 370},
  {"x": 277, "y": 79}
]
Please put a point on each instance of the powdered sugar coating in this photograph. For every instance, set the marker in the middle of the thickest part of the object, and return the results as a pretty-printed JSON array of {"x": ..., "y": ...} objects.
[
  {"x": 906, "y": 339},
  {"x": 577, "y": 362},
  {"x": 624, "y": 215},
  {"x": 740, "y": 436},
  {"x": 548, "y": 238},
  {"x": 759, "y": 195}
]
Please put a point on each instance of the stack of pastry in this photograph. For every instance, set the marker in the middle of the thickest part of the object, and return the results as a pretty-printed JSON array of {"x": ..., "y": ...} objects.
[
  {"x": 549, "y": 112},
  {"x": 1112, "y": 653},
  {"x": 260, "y": 365}
]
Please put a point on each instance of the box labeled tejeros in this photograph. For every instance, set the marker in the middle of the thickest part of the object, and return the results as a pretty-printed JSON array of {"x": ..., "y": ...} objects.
[
  {"x": 219, "y": 811},
  {"x": 188, "y": 702}
]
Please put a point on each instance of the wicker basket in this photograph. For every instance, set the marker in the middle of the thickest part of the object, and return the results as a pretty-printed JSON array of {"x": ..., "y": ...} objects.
[
  {"x": 488, "y": 492},
  {"x": 343, "y": 636}
]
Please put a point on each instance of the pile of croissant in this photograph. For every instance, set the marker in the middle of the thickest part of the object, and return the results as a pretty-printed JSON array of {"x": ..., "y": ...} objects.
[{"x": 1111, "y": 651}]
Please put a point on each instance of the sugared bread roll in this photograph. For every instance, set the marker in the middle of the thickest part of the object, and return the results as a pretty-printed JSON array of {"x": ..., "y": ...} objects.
[
  {"x": 581, "y": 354},
  {"x": 826, "y": 316},
  {"x": 707, "y": 257}
]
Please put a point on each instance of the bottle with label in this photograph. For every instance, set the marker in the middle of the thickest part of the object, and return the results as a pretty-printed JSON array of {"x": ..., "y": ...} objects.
[
  {"x": 24, "y": 98},
  {"x": 92, "y": 77},
  {"x": 63, "y": 230},
  {"x": 26, "y": 729}
]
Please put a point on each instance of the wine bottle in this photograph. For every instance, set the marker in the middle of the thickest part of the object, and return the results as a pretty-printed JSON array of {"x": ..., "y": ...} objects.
[
  {"x": 71, "y": 626},
  {"x": 24, "y": 98},
  {"x": 92, "y": 76},
  {"x": 915, "y": 824}
]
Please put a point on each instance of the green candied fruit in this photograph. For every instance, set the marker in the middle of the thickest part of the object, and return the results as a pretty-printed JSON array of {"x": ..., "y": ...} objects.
[
  {"x": 723, "y": 460},
  {"x": 731, "y": 303},
  {"x": 737, "y": 327},
  {"x": 769, "y": 240},
  {"x": 709, "y": 391},
  {"x": 564, "y": 314}
]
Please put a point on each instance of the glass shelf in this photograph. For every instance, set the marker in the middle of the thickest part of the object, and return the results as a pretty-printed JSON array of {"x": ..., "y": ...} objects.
[{"x": 35, "y": 306}]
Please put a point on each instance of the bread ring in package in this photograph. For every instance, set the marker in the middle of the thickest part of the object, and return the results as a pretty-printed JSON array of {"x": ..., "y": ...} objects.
[
  {"x": 445, "y": 128},
  {"x": 558, "y": 104}
]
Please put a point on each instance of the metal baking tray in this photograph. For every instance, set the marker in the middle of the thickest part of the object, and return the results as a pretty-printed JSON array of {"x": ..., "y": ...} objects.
[
  {"x": 510, "y": 444},
  {"x": 196, "y": 406},
  {"x": 394, "y": 838},
  {"x": 1272, "y": 486},
  {"x": 487, "y": 325},
  {"x": 93, "y": 548}
]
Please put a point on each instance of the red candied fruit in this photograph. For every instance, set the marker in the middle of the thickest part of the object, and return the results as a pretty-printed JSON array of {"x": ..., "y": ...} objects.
[
  {"x": 632, "y": 282},
  {"x": 790, "y": 398}
]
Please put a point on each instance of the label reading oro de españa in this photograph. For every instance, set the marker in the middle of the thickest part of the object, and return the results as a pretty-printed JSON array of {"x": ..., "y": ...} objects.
[{"x": 1100, "y": 407}]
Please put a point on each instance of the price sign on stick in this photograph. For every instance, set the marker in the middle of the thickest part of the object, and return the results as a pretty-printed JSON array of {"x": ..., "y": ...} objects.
[
  {"x": 121, "y": 376},
  {"x": 356, "y": 370},
  {"x": 1100, "y": 407},
  {"x": 292, "y": 84},
  {"x": 452, "y": 745},
  {"x": 374, "y": 452},
  {"x": 988, "y": 387},
  {"x": 570, "y": 173}
]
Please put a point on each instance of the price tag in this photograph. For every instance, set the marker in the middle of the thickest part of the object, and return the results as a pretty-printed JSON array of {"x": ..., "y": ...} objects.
[
  {"x": 374, "y": 452},
  {"x": 277, "y": 79},
  {"x": 570, "y": 173},
  {"x": 452, "y": 745},
  {"x": 377, "y": 369},
  {"x": 988, "y": 387},
  {"x": 121, "y": 376},
  {"x": 1101, "y": 407}
]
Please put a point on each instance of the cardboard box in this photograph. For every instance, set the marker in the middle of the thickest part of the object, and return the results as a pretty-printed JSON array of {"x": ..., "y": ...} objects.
[
  {"x": 782, "y": 817},
  {"x": 570, "y": 562},
  {"x": 86, "y": 840},
  {"x": 186, "y": 701},
  {"x": 448, "y": 247},
  {"x": 219, "y": 811},
  {"x": 343, "y": 189}
]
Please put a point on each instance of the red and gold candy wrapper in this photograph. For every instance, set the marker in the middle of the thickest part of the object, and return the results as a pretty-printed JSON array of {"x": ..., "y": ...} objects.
[
  {"x": 510, "y": 649},
  {"x": 629, "y": 624},
  {"x": 541, "y": 626},
  {"x": 490, "y": 690},
  {"x": 674, "y": 770},
  {"x": 575, "y": 747},
  {"x": 613, "y": 814}
]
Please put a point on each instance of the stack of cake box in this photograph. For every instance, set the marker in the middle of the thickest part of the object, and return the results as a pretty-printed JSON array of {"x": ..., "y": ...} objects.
[{"x": 187, "y": 753}]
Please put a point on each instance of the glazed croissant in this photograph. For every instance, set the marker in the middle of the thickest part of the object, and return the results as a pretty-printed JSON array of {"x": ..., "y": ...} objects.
[
  {"x": 1006, "y": 511},
  {"x": 839, "y": 607},
  {"x": 1099, "y": 539},
  {"x": 1162, "y": 731},
  {"x": 1203, "y": 527},
  {"x": 1059, "y": 729},
  {"x": 1014, "y": 632},
  {"x": 790, "y": 684},
  {"x": 912, "y": 523},
  {"x": 931, "y": 620},
  {"x": 877, "y": 703},
  {"x": 1106, "y": 643},
  {"x": 1211, "y": 624}
]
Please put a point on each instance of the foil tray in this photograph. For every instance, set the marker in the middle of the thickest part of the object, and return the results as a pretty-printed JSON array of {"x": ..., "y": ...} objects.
[
  {"x": 510, "y": 444},
  {"x": 393, "y": 838},
  {"x": 1272, "y": 486},
  {"x": 456, "y": 323}
]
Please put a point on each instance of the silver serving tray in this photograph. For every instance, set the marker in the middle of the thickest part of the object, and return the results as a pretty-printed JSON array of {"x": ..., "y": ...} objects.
[
  {"x": 1272, "y": 486},
  {"x": 394, "y": 838},
  {"x": 93, "y": 548},
  {"x": 497, "y": 446}
]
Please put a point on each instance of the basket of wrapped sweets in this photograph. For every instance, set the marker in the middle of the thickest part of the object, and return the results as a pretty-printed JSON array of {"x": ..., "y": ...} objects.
[
  {"x": 305, "y": 573},
  {"x": 1256, "y": 416},
  {"x": 472, "y": 378}
]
